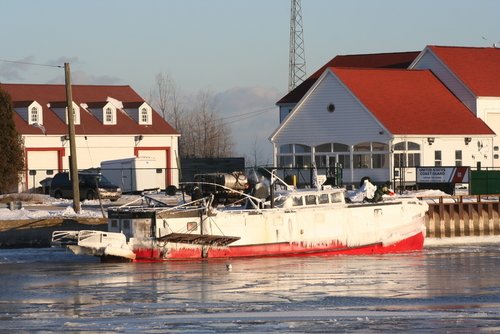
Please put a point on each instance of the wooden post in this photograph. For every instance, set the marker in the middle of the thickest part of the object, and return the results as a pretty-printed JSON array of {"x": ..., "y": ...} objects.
[{"x": 73, "y": 168}]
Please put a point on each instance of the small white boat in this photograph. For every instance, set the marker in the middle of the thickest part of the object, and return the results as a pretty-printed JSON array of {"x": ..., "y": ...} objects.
[{"x": 312, "y": 222}]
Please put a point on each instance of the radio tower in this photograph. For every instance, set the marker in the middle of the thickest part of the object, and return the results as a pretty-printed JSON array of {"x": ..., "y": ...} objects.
[{"x": 297, "y": 60}]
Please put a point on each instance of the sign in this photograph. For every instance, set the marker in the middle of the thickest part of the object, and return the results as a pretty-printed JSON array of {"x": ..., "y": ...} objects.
[{"x": 443, "y": 174}]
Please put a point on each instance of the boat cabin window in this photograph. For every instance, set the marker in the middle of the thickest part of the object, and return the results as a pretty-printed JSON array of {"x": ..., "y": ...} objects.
[
  {"x": 336, "y": 197},
  {"x": 297, "y": 200},
  {"x": 126, "y": 224},
  {"x": 323, "y": 199},
  {"x": 114, "y": 223},
  {"x": 310, "y": 199},
  {"x": 280, "y": 200}
]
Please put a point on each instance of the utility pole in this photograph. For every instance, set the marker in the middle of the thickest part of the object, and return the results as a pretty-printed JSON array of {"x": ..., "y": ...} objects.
[
  {"x": 73, "y": 168},
  {"x": 297, "y": 59}
]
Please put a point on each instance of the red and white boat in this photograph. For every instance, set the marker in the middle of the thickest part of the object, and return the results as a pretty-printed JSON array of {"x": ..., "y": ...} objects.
[{"x": 308, "y": 222}]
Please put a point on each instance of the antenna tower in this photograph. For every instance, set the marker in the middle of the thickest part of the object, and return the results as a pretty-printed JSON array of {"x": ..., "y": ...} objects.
[{"x": 297, "y": 60}]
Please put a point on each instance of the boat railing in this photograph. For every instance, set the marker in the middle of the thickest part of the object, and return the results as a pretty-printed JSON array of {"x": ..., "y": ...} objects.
[{"x": 63, "y": 238}]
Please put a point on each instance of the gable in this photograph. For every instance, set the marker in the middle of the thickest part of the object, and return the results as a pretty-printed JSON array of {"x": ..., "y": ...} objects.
[
  {"x": 478, "y": 68},
  {"x": 376, "y": 60},
  {"x": 347, "y": 121}
]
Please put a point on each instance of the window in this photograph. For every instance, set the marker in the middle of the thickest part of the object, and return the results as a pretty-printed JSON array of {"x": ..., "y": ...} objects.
[
  {"x": 288, "y": 148},
  {"x": 361, "y": 160},
  {"x": 109, "y": 115},
  {"x": 329, "y": 154},
  {"x": 327, "y": 148},
  {"x": 302, "y": 161},
  {"x": 371, "y": 155},
  {"x": 437, "y": 159},
  {"x": 406, "y": 154},
  {"x": 458, "y": 158},
  {"x": 379, "y": 161},
  {"x": 126, "y": 224},
  {"x": 323, "y": 199},
  {"x": 144, "y": 116},
  {"x": 302, "y": 148},
  {"x": 310, "y": 199},
  {"x": 302, "y": 155},
  {"x": 296, "y": 200},
  {"x": 284, "y": 112},
  {"x": 345, "y": 160},
  {"x": 34, "y": 115},
  {"x": 286, "y": 161},
  {"x": 294, "y": 155},
  {"x": 336, "y": 197}
]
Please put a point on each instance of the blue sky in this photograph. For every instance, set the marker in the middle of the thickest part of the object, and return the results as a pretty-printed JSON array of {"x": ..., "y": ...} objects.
[{"x": 237, "y": 49}]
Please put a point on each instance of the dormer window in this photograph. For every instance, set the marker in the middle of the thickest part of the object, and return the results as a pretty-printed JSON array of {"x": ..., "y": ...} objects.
[
  {"x": 34, "y": 115},
  {"x": 144, "y": 116},
  {"x": 60, "y": 109},
  {"x": 76, "y": 114},
  {"x": 30, "y": 111},
  {"x": 108, "y": 115},
  {"x": 104, "y": 111},
  {"x": 141, "y": 112}
]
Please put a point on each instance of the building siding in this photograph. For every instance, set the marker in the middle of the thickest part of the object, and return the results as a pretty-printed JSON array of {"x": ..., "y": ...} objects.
[{"x": 349, "y": 124}]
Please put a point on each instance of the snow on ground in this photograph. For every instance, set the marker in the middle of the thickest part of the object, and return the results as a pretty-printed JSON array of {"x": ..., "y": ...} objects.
[{"x": 40, "y": 206}]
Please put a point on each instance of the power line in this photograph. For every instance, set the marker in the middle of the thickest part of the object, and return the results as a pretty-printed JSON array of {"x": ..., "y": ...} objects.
[
  {"x": 246, "y": 115},
  {"x": 28, "y": 63}
]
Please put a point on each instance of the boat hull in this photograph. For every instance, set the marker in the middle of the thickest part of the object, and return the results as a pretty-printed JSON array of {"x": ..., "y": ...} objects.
[{"x": 412, "y": 243}]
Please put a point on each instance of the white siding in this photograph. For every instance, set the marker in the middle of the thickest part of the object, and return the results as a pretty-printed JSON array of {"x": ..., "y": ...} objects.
[
  {"x": 311, "y": 124},
  {"x": 430, "y": 61},
  {"x": 490, "y": 110},
  {"x": 94, "y": 149},
  {"x": 43, "y": 163}
]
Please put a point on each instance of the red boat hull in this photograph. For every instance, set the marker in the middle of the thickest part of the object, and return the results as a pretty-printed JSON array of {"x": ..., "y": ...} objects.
[{"x": 413, "y": 243}]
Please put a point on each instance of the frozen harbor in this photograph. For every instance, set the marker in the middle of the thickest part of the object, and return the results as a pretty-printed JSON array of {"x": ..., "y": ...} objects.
[{"x": 444, "y": 289}]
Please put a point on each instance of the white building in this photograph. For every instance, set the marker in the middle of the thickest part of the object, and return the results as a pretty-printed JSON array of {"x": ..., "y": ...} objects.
[
  {"x": 473, "y": 75},
  {"x": 111, "y": 122},
  {"x": 371, "y": 120}
]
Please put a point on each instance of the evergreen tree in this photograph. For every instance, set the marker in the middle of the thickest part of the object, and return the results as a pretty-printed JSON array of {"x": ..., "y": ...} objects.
[{"x": 11, "y": 146}]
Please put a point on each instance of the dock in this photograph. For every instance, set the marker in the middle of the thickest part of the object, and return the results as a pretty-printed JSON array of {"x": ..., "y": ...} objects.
[{"x": 463, "y": 216}]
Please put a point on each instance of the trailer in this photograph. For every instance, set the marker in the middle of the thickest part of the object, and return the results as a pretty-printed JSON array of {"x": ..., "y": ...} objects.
[{"x": 135, "y": 174}]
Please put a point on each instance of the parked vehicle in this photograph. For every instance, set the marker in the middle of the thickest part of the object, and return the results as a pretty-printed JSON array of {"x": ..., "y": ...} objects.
[
  {"x": 134, "y": 175},
  {"x": 90, "y": 184}
]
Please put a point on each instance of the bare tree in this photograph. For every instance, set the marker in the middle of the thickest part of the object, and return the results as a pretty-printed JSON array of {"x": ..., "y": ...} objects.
[
  {"x": 164, "y": 98},
  {"x": 209, "y": 136},
  {"x": 203, "y": 133}
]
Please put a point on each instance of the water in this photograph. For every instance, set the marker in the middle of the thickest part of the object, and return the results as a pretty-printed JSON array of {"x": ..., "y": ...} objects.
[{"x": 448, "y": 289}]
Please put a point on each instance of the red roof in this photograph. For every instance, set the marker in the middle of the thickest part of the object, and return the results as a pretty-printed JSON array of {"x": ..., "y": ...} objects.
[
  {"x": 89, "y": 124},
  {"x": 412, "y": 102},
  {"x": 375, "y": 60},
  {"x": 478, "y": 68}
]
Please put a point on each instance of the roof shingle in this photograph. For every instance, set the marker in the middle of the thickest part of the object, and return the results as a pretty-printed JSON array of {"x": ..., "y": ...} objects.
[
  {"x": 478, "y": 68},
  {"x": 89, "y": 124},
  {"x": 411, "y": 102}
]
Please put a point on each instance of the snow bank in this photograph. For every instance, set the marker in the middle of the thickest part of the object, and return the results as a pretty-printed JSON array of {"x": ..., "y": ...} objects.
[{"x": 68, "y": 212}]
